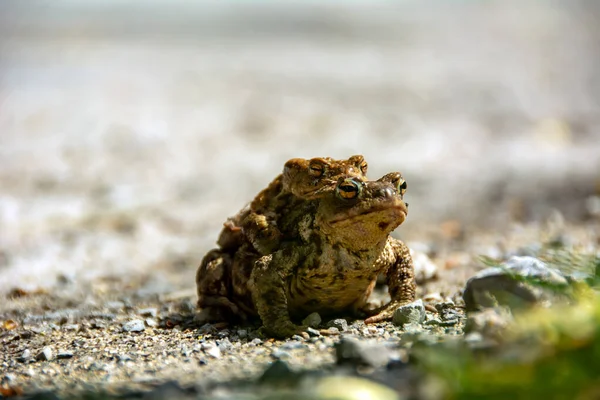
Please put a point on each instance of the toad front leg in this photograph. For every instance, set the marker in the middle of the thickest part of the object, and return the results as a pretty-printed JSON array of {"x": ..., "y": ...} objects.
[
  {"x": 400, "y": 278},
  {"x": 267, "y": 284}
]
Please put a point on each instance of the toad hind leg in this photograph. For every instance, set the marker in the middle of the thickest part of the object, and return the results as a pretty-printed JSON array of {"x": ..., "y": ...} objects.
[
  {"x": 400, "y": 278},
  {"x": 268, "y": 293},
  {"x": 213, "y": 282}
]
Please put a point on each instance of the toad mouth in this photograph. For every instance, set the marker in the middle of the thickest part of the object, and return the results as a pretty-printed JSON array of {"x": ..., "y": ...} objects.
[{"x": 370, "y": 210}]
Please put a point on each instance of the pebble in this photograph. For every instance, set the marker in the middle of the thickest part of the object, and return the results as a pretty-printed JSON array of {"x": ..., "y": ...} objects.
[
  {"x": 412, "y": 313},
  {"x": 498, "y": 285},
  {"x": 339, "y": 323},
  {"x": 361, "y": 353},
  {"x": 330, "y": 331},
  {"x": 224, "y": 345},
  {"x": 292, "y": 344},
  {"x": 136, "y": 325},
  {"x": 312, "y": 320},
  {"x": 45, "y": 355},
  {"x": 151, "y": 322},
  {"x": 279, "y": 354},
  {"x": 242, "y": 333},
  {"x": 25, "y": 356},
  {"x": 491, "y": 322},
  {"x": 63, "y": 355},
  {"x": 313, "y": 332},
  {"x": 212, "y": 350}
]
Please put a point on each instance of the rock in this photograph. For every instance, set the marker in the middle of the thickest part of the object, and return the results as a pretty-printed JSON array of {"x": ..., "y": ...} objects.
[
  {"x": 333, "y": 331},
  {"x": 45, "y": 355},
  {"x": 490, "y": 322},
  {"x": 313, "y": 332},
  {"x": 224, "y": 345},
  {"x": 313, "y": 320},
  {"x": 63, "y": 355},
  {"x": 25, "y": 356},
  {"x": 242, "y": 333},
  {"x": 412, "y": 313},
  {"x": 292, "y": 344},
  {"x": 212, "y": 350},
  {"x": 425, "y": 269},
  {"x": 519, "y": 282},
  {"x": 280, "y": 354},
  {"x": 151, "y": 322},
  {"x": 339, "y": 323},
  {"x": 136, "y": 325},
  {"x": 361, "y": 353}
]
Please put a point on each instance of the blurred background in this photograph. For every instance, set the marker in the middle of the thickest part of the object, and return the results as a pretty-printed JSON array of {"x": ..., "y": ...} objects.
[{"x": 129, "y": 131}]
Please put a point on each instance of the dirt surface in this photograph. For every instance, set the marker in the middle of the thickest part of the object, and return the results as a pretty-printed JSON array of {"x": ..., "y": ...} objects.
[{"x": 128, "y": 134}]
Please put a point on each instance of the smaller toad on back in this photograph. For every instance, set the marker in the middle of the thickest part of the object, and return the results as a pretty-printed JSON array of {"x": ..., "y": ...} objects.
[{"x": 301, "y": 180}]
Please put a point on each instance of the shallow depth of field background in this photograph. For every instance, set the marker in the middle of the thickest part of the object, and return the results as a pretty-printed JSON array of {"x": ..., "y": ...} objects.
[{"x": 129, "y": 131}]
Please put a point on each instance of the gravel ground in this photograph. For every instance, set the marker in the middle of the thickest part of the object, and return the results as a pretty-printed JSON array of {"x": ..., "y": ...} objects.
[{"x": 128, "y": 134}]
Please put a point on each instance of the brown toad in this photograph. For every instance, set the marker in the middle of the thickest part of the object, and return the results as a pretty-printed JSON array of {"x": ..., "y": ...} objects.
[
  {"x": 343, "y": 244},
  {"x": 301, "y": 180}
]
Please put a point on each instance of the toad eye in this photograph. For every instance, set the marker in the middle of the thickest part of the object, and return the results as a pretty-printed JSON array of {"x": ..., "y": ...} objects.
[
  {"x": 348, "y": 189},
  {"x": 316, "y": 170},
  {"x": 402, "y": 187},
  {"x": 363, "y": 167}
]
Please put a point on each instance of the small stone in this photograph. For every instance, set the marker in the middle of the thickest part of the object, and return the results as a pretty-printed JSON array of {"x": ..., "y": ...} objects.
[
  {"x": 412, "y": 313},
  {"x": 512, "y": 285},
  {"x": 151, "y": 322},
  {"x": 25, "y": 356},
  {"x": 292, "y": 344},
  {"x": 339, "y": 323},
  {"x": 279, "y": 354},
  {"x": 356, "y": 352},
  {"x": 63, "y": 355},
  {"x": 333, "y": 331},
  {"x": 45, "y": 355},
  {"x": 490, "y": 322},
  {"x": 212, "y": 350},
  {"x": 313, "y": 320},
  {"x": 313, "y": 332},
  {"x": 71, "y": 327},
  {"x": 136, "y": 325},
  {"x": 433, "y": 322},
  {"x": 256, "y": 341},
  {"x": 224, "y": 345},
  {"x": 242, "y": 333}
]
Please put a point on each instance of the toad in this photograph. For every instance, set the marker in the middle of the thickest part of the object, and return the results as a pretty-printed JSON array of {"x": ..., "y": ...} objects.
[
  {"x": 301, "y": 180},
  {"x": 331, "y": 267}
]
